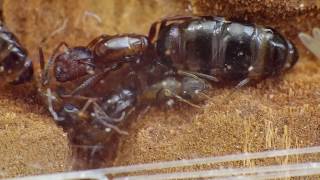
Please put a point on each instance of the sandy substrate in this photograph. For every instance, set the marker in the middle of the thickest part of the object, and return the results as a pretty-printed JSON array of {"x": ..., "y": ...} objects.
[
  {"x": 30, "y": 141},
  {"x": 274, "y": 114}
]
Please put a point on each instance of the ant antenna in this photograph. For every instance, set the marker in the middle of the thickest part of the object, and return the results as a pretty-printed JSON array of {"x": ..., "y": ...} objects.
[
  {"x": 55, "y": 32},
  {"x": 42, "y": 66},
  {"x": 92, "y": 15},
  {"x": 85, "y": 18}
]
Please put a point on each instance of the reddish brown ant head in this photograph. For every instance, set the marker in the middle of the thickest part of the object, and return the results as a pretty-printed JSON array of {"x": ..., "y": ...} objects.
[
  {"x": 73, "y": 63},
  {"x": 121, "y": 47}
]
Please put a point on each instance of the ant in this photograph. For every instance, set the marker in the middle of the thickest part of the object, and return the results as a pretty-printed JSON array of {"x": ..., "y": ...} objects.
[
  {"x": 97, "y": 88},
  {"x": 229, "y": 51},
  {"x": 15, "y": 65},
  {"x": 110, "y": 77},
  {"x": 119, "y": 86}
]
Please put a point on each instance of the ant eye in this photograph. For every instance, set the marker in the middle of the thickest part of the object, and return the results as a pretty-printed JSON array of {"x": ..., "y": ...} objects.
[{"x": 59, "y": 70}]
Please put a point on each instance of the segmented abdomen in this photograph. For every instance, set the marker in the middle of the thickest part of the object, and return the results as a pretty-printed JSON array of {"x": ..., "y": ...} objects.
[{"x": 230, "y": 51}]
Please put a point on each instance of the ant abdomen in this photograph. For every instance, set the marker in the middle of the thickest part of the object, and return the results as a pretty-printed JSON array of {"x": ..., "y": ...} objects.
[{"x": 228, "y": 51}]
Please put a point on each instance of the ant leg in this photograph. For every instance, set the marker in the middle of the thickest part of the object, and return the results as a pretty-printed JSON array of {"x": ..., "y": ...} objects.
[
  {"x": 242, "y": 83},
  {"x": 107, "y": 116},
  {"x": 43, "y": 81},
  {"x": 206, "y": 76},
  {"x": 103, "y": 118},
  {"x": 81, "y": 113},
  {"x": 169, "y": 93},
  {"x": 188, "y": 74},
  {"x": 92, "y": 80},
  {"x": 96, "y": 105},
  {"x": 100, "y": 115},
  {"x": 204, "y": 95},
  {"x": 50, "y": 106},
  {"x": 89, "y": 101},
  {"x": 41, "y": 60},
  {"x": 237, "y": 87},
  {"x": 56, "y": 31},
  {"x": 198, "y": 76}
]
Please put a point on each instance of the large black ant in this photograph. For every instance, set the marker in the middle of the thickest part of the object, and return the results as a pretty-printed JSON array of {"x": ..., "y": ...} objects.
[
  {"x": 15, "y": 66},
  {"x": 104, "y": 81},
  {"x": 84, "y": 87}
]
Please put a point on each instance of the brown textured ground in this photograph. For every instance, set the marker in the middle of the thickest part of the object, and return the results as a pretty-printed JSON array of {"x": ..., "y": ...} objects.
[
  {"x": 30, "y": 141},
  {"x": 273, "y": 114}
]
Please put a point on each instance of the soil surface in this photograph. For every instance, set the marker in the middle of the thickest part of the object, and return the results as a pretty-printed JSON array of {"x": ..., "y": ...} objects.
[{"x": 274, "y": 114}]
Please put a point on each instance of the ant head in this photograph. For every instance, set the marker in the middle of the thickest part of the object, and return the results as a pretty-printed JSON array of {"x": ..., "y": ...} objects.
[{"x": 72, "y": 64}]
